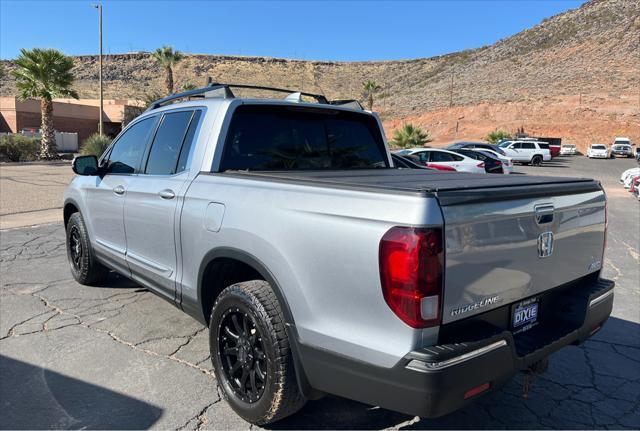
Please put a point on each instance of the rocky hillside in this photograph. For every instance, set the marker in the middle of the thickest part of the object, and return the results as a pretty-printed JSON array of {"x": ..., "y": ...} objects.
[{"x": 584, "y": 61}]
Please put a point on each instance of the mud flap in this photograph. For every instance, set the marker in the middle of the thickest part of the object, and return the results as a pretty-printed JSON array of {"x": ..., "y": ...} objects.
[{"x": 530, "y": 374}]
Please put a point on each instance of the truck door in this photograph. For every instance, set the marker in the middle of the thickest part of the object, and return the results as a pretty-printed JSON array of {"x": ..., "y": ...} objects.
[
  {"x": 105, "y": 200},
  {"x": 154, "y": 200}
]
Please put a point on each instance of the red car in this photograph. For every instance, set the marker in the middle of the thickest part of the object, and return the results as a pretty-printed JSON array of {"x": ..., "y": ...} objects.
[{"x": 554, "y": 150}]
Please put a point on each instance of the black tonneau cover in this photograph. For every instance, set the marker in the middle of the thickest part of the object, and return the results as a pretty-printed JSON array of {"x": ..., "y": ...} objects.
[{"x": 451, "y": 188}]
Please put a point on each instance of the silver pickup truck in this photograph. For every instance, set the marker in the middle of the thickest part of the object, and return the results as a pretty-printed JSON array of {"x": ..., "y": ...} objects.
[{"x": 320, "y": 268}]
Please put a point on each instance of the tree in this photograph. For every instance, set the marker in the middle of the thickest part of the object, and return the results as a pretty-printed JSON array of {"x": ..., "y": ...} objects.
[
  {"x": 369, "y": 88},
  {"x": 166, "y": 57},
  {"x": 410, "y": 136},
  {"x": 44, "y": 74},
  {"x": 497, "y": 136},
  {"x": 2, "y": 72}
]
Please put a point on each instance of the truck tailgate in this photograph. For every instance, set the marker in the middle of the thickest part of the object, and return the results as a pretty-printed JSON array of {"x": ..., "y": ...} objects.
[{"x": 510, "y": 243}]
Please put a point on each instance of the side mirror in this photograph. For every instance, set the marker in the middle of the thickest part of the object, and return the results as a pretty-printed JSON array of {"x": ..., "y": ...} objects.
[{"x": 85, "y": 165}]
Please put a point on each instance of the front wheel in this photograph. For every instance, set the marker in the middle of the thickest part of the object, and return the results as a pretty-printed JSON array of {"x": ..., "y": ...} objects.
[
  {"x": 536, "y": 161},
  {"x": 84, "y": 266},
  {"x": 251, "y": 354}
]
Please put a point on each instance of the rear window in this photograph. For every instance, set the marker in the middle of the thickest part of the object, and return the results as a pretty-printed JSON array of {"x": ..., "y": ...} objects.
[
  {"x": 292, "y": 138},
  {"x": 598, "y": 147},
  {"x": 543, "y": 146}
]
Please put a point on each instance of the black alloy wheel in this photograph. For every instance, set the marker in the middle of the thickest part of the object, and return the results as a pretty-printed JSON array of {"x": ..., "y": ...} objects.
[
  {"x": 76, "y": 251},
  {"x": 242, "y": 355}
]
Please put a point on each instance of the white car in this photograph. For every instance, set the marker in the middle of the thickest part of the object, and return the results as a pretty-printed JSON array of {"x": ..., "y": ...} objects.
[
  {"x": 507, "y": 162},
  {"x": 527, "y": 151},
  {"x": 627, "y": 175},
  {"x": 446, "y": 160},
  {"x": 598, "y": 151},
  {"x": 568, "y": 150}
]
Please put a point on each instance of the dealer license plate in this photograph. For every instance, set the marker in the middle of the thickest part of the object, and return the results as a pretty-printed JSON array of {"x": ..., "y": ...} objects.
[{"x": 525, "y": 315}]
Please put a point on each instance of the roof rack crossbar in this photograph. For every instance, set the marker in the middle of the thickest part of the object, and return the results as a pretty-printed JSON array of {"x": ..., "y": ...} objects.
[{"x": 201, "y": 92}]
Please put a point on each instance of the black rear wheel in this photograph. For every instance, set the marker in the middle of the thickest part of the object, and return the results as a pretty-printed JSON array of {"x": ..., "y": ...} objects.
[
  {"x": 251, "y": 353},
  {"x": 536, "y": 161}
]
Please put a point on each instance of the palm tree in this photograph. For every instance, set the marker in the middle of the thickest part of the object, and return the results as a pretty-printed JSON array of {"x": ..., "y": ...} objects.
[
  {"x": 370, "y": 87},
  {"x": 44, "y": 74},
  {"x": 167, "y": 58},
  {"x": 410, "y": 136}
]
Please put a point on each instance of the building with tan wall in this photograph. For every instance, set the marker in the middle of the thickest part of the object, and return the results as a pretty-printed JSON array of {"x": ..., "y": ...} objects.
[{"x": 69, "y": 115}]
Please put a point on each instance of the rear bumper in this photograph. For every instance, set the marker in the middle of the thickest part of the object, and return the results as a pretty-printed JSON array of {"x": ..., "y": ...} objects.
[{"x": 433, "y": 381}]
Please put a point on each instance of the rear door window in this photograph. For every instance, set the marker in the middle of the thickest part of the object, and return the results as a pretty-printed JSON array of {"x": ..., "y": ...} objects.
[
  {"x": 168, "y": 143},
  {"x": 528, "y": 146},
  {"x": 290, "y": 138},
  {"x": 441, "y": 156}
]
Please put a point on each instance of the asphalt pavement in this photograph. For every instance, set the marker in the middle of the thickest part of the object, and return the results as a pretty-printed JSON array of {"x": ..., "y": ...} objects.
[{"x": 119, "y": 357}]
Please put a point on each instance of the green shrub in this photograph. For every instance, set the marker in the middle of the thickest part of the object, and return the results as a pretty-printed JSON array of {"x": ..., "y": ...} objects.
[
  {"x": 95, "y": 144},
  {"x": 497, "y": 136},
  {"x": 18, "y": 148}
]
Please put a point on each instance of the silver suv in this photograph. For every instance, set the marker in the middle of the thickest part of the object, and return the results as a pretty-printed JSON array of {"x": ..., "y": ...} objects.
[{"x": 319, "y": 267}]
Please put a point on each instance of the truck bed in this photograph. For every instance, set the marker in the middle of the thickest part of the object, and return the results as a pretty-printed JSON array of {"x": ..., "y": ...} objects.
[{"x": 451, "y": 188}]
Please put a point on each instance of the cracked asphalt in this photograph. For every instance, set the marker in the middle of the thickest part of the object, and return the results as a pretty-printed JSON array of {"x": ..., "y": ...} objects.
[{"x": 118, "y": 357}]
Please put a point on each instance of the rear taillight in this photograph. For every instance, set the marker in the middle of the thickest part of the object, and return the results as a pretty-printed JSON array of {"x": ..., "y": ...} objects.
[
  {"x": 411, "y": 274},
  {"x": 498, "y": 163},
  {"x": 480, "y": 165}
]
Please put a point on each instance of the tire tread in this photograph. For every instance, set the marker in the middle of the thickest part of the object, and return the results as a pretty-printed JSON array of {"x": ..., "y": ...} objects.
[{"x": 288, "y": 398}]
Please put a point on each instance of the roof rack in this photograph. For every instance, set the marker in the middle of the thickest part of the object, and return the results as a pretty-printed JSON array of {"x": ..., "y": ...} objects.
[{"x": 224, "y": 91}]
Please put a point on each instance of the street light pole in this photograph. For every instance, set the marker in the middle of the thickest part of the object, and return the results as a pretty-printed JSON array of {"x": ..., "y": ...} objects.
[{"x": 100, "y": 123}]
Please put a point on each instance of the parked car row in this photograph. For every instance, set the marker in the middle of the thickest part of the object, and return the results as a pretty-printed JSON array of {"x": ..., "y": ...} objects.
[
  {"x": 621, "y": 147},
  {"x": 458, "y": 158},
  {"x": 630, "y": 179}
]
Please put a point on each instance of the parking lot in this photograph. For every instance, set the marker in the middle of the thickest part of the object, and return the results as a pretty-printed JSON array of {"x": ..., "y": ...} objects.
[{"x": 117, "y": 356}]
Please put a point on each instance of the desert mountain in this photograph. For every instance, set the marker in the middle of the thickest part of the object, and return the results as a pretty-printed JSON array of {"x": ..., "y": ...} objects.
[{"x": 574, "y": 75}]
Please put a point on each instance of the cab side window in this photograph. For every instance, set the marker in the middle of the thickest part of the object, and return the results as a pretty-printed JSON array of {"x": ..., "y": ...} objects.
[
  {"x": 516, "y": 146},
  {"x": 127, "y": 152},
  {"x": 172, "y": 143}
]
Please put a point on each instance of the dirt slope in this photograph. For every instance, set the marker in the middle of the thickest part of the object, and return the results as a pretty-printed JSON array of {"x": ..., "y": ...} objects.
[{"x": 576, "y": 75}]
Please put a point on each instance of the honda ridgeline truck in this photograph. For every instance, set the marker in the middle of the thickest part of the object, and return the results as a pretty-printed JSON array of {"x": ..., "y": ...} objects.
[{"x": 320, "y": 268}]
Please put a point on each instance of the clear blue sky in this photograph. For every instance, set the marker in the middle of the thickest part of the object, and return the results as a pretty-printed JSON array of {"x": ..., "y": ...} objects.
[{"x": 337, "y": 30}]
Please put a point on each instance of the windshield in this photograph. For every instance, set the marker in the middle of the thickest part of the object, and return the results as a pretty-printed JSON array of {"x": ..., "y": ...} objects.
[
  {"x": 598, "y": 147},
  {"x": 568, "y": 146},
  {"x": 504, "y": 144},
  {"x": 622, "y": 142},
  {"x": 403, "y": 152},
  {"x": 268, "y": 137}
]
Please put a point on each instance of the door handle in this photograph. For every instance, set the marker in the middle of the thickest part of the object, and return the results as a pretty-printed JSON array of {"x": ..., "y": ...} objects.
[
  {"x": 119, "y": 190},
  {"x": 167, "y": 194}
]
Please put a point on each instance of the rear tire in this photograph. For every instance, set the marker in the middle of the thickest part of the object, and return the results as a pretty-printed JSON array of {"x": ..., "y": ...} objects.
[
  {"x": 536, "y": 161},
  {"x": 82, "y": 261},
  {"x": 251, "y": 354}
]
